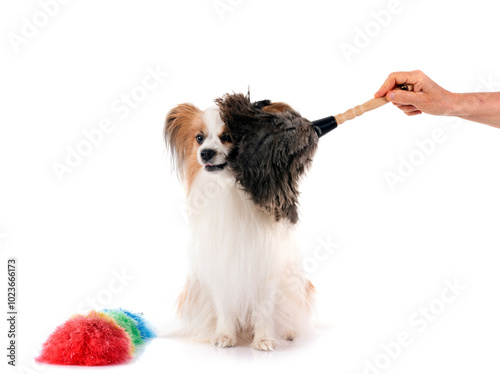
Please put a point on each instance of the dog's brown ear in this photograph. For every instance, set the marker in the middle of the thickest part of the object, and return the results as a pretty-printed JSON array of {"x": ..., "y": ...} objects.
[
  {"x": 277, "y": 107},
  {"x": 180, "y": 129}
]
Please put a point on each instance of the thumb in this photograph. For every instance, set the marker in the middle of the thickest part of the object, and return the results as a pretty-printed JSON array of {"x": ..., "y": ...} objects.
[{"x": 402, "y": 97}]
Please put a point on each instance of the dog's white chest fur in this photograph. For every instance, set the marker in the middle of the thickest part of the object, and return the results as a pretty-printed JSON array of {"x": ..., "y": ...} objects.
[
  {"x": 245, "y": 274},
  {"x": 235, "y": 245}
]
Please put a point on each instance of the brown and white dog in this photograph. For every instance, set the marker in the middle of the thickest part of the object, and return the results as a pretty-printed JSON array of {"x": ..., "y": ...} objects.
[{"x": 245, "y": 279}]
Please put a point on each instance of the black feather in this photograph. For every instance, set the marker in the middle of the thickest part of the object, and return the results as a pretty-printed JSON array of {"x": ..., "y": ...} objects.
[{"x": 271, "y": 152}]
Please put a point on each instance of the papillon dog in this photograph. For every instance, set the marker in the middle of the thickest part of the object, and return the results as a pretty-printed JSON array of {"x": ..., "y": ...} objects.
[{"x": 245, "y": 281}]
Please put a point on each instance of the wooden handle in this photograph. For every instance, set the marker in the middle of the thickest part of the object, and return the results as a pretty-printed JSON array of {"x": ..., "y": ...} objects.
[{"x": 366, "y": 107}]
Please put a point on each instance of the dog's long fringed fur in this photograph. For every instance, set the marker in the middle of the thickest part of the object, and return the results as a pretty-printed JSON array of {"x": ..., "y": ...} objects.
[
  {"x": 238, "y": 162},
  {"x": 273, "y": 147}
]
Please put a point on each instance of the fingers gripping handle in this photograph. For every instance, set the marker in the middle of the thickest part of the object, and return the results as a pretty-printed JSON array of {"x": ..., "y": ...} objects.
[{"x": 366, "y": 107}]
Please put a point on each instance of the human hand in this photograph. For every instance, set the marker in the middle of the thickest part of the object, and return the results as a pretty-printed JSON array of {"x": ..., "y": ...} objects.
[{"x": 427, "y": 96}]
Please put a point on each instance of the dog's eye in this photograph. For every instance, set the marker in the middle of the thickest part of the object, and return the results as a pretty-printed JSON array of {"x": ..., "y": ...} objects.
[
  {"x": 226, "y": 138},
  {"x": 199, "y": 139}
]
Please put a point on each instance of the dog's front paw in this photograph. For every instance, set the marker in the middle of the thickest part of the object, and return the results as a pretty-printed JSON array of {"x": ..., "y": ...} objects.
[
  {"x": 264, "y": 344},
  {"x": 224, "y": 341}
]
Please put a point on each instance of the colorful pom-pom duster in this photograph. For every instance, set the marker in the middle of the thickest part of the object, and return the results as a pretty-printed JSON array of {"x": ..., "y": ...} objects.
[{"x": 97, "y": 338}]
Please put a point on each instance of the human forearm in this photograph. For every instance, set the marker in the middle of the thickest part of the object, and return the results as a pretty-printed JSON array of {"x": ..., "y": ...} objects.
[
  {"x": 428, "y": 97},
  {"x": 480, "y": 107}
]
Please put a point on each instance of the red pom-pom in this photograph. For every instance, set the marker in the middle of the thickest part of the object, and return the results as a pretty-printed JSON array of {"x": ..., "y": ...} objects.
[{"x": 87, "y": 340}]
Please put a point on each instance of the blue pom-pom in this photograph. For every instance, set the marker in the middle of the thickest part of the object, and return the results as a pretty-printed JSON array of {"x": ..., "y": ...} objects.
[{"x": 145, "y": 329}]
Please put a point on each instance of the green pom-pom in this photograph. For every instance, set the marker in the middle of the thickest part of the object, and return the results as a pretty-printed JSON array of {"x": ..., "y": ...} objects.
[{"x": 127, "y": 323}]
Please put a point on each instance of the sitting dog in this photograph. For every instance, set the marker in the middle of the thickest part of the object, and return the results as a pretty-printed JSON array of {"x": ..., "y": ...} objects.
[{"x": 240, "y": 163}]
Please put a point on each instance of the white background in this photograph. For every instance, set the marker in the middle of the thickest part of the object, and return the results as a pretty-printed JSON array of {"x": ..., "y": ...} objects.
[{"x": 120, "y": 209}]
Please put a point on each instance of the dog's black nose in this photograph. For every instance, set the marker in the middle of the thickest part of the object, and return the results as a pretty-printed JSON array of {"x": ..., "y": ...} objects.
[{"x": 207, "y": 154}]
